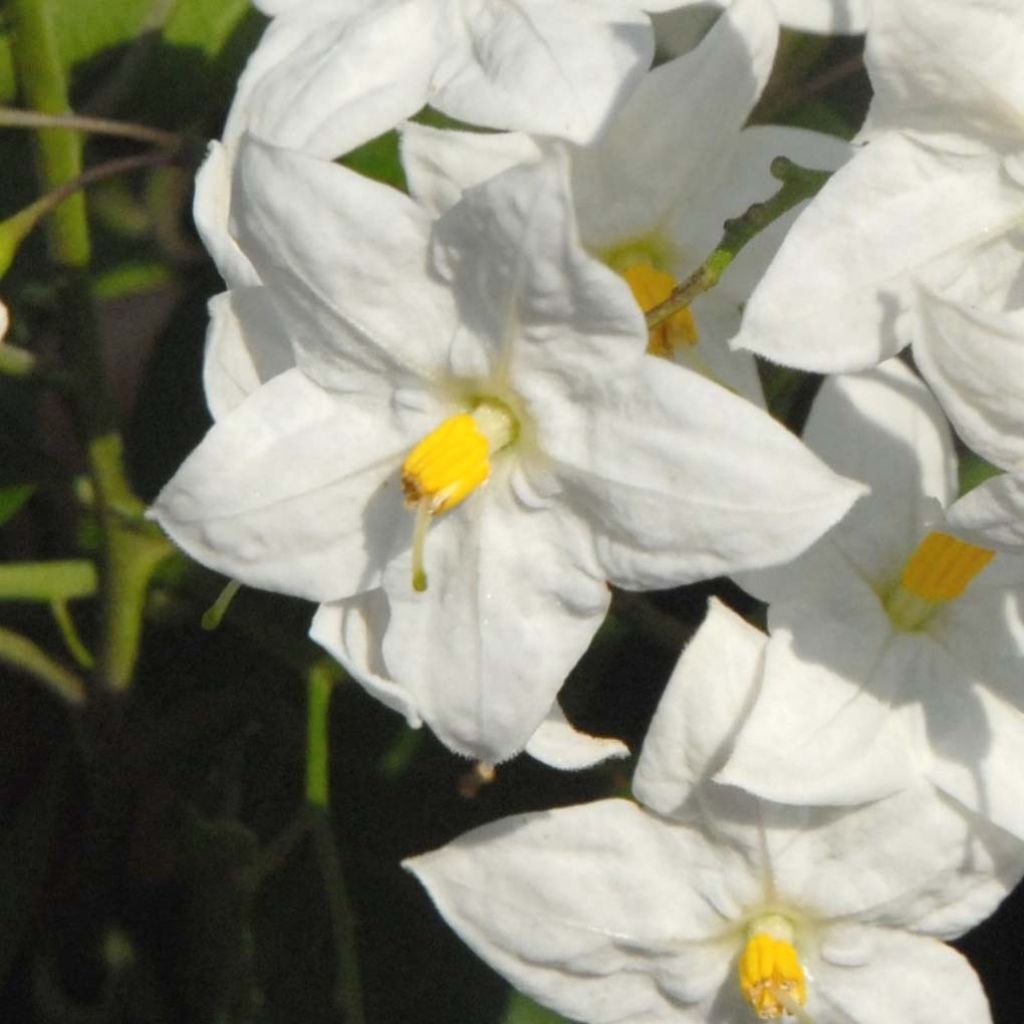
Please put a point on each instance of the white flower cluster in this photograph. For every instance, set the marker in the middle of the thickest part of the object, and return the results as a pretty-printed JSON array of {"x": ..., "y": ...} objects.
[{"x": 440, "y": 415}]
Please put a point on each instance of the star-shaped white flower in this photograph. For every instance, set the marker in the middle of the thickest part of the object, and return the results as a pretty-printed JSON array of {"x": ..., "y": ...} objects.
[
  {"x": 918, "y": 239},
  {"x": 826, "y": 17},
  {"x": 718, "y": 908},
  {"x": 653, "y": 191},
  {"x": 896, "y": 644},
  {"x": 432, "y": 359}
]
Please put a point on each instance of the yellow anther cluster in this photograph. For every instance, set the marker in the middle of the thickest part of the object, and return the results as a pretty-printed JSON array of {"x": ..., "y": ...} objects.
[
  {"x": 771, "y": 978},
  {"x": 447, "y": 465},
  {"x": 651, "y": 287},
  {"x": 942, "y": 566}
]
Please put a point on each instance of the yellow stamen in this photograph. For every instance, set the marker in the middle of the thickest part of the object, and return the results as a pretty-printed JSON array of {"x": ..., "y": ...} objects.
[
  {"x": 651, "y": 287},
  {"x": 939, "y": 570},
  {"x": 449, "y": 464},
  {"x": 771, "y": 977}
]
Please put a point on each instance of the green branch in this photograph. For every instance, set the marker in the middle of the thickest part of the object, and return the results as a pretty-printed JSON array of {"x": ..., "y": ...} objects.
[
  {"x": 798, "y": 184},
  {"x": 129, "y": 553},
  {"x": 21, "y": 653},
  {"x": 47, "y": 581}
]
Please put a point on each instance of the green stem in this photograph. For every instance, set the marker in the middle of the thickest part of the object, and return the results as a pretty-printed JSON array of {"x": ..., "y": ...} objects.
[
  {"x": 318, "y": 695},
  {"x": 20, "y": 652},
  {"x": 11, "y": 117},
  {"x": 348, "y": 988},
  {"x": 129, "y": 553},
  {"x": 798, "y": 184},
  {"x": 69, "y": 631},
  {"x": 47, "y": 581}
]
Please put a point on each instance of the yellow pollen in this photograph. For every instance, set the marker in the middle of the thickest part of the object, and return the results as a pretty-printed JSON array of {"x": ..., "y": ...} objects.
[
  {"x": 650, "y": 287},
  {"x": 771, "y": 977},
  {"x": 449, "y": 464},
  {"x": 939, "y": 570},
  {"x": 942, "y": 566}
]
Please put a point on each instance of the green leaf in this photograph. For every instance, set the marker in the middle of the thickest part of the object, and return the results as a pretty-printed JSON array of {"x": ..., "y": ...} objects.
[
  {"x": 521, "y": 1010},
  {"x": 12, "y": 498}
]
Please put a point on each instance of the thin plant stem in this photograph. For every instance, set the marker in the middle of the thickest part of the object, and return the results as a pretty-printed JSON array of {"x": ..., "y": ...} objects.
[
  {"x": 12, "y": 117},
  {"x": 21, "y": 653},
  {"x": 69, "y": 632},
  {"x": 130, "y": 554},
  {"x": 798, "y": 184},
  {"x": 47, "y": 581}
]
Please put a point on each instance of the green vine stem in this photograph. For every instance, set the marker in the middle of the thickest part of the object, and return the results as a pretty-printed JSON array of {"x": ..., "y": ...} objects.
[
  {"x": 11, "y": 117},
  {"x": 19, "y": 652},
  {"x": 47, "y": 581},
  {"x": 130, "y": 553},
  {"x": 798, "y": 183}
]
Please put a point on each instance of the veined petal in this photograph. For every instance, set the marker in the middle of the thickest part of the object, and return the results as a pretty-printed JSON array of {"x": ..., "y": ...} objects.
[
  {"x": 548, "y": 67},
  {"x": 344, "y": 259},
  {"x": 973, "y": 360},
  {"x": 938, "y": 66},
  {"x": 539, "y": 305},
  {"x": 511, "y": 604},
  {"x": 558, "y": 744},
  {"x": 680, "y": 479},
  {"x": 293, "y": 491},
  {"x": 352, "y": 631},
  {"x": 711, "y": 689},
  {"x": 973, "y": 736},
  {"x": 992, "y": 515},
  {"x": 246, "y": 345},
  {"x": 823, "y": 730},
  {"x": 628, "y": 180},
  {"x": 327, "y": 77},
  {"x": 907, "y": 977},
  {"x": 834, "y": 295},
  {"x": 597, "y": 911},
  {"x": 441, "y": 164}
]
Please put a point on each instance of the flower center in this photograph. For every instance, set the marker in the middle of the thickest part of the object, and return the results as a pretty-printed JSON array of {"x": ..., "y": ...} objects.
[
  {"x": 449, "y": 464},
  {"x": 651, "y": 287},
  {"x": 771, "y": 976},
  {"x": 938, "y": 571}
]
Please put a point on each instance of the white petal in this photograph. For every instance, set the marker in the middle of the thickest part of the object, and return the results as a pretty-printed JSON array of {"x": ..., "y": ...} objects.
[
  {"x": 974, "y": 737},
  {"x": 441, "y": 165},
  {"x": 5, "y": 321},
  {"x": 708, "y": 694},
  {"x": 246, "y": 345},
  {"x": 211, "y": 208},
  {"x": 548, "y": 67},
  {"x": 680, "y": 479},
  {"x": 992, "y": 514},
  {"x": 907, "y": 980},
  {"x": 883, "y": 428},
  {"x": 974, "y": 362},
  {"x": 558, "y": 744},
  {"x": 938, "y": 65},
  {"x": 600, "y": 911},
  {"x": 823, "y": 730},
  {"x": 294, "y": 491},
  {"x": 513, "y": 601},
  {"x": 832, "y": 298},
  {"x": 345, "y": 261},
  {"x": 828, "y": 17},
  {"x": 538, "y": 305},
  {"x": 326, "y": 78},
  {"x": 626, "y": 183},
  {"x": 351, "y": 631}
]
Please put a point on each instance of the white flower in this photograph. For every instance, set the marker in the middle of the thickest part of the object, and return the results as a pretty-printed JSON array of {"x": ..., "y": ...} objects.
[
  {"x": 992, "y": 514},
  {"x": 518, "y": 361},
  {"x": 822, "y": 16},
  {"x": 653, "y": 191},
  {"x": 918, "y": 239},
  {"x": 896, "y": 646},
  {"x": 5, "y": 321},
  {"x": 744, "y": 910}
]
